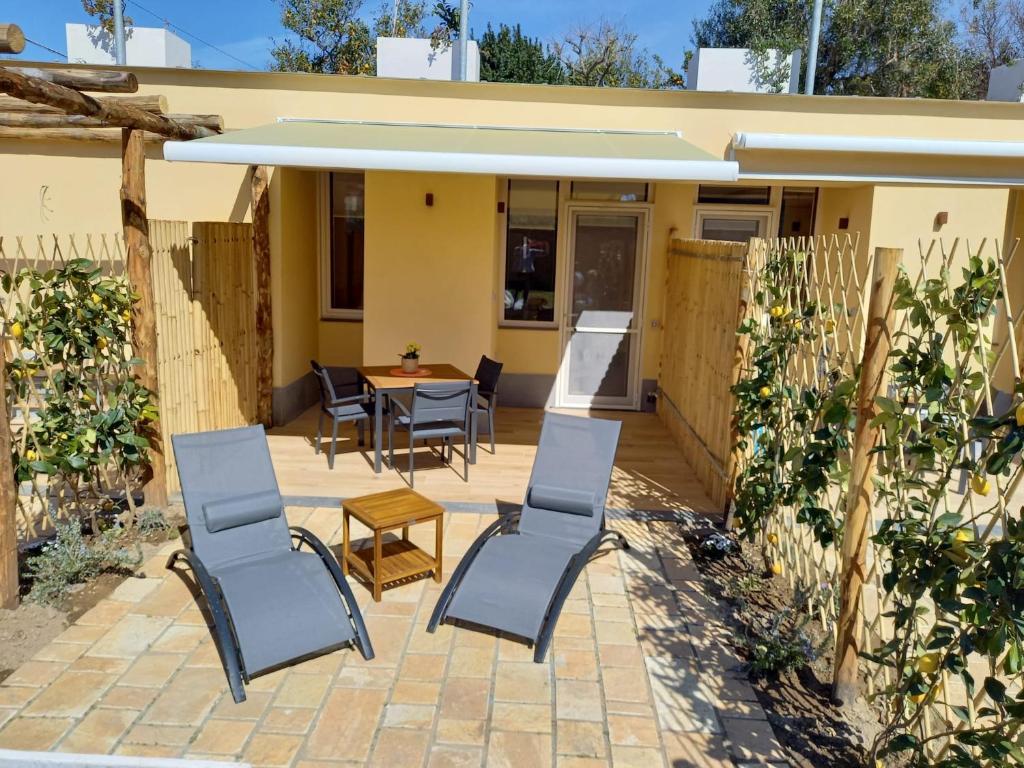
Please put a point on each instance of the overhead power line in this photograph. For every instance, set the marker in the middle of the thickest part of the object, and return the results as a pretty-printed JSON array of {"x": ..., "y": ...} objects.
[
  {"x": 198, "y": 39},
  {"x": 46, "y": 48}
]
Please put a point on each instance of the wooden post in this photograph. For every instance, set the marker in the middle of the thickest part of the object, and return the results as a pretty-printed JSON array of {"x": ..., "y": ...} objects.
[
  {"x": 8, "y": 499},
  {"x": 739, "y": 360},
  {"x": 264, "y": 327},
  {"x": 140, "y": 255},
  {"x": 12, "y": 39},
  {"x": 857, "y": 527}
]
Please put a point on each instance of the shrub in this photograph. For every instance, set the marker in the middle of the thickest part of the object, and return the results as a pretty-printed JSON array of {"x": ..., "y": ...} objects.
[
  {"x": 151, "y": 520},
  {"x": 783, "y": 645},
  {"x": 69, "y": 559}
]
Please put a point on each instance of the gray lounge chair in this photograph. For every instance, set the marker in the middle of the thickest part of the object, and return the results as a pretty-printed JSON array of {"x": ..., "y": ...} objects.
[
  {"x": 517, "y": 575},
  {"x": 271, "y": 603}
]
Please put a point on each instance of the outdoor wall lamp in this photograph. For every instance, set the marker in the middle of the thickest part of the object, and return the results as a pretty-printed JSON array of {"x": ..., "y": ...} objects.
[{"x": 429, "y": 200}]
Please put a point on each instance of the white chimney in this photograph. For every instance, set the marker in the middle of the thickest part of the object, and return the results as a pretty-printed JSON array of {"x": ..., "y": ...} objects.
[
  {"x": 736, "y": 69},
  {"x": 1006, "y": 83},
  {"x": 412, "y": 57},
  {"x": 145, "y": 47}
]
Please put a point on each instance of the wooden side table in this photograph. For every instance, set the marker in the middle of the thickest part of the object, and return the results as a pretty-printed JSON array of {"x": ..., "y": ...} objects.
[{"x": 394, "y": 560}]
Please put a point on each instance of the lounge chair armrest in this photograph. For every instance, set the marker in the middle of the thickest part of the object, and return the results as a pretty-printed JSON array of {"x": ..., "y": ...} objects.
[
  {"x": 308, "y": 538},
  {"x": 349, "y": 399}
]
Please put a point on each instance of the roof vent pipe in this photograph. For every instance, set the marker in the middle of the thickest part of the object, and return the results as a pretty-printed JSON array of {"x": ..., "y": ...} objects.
[
  {"x": 464, "y": 41},
  {"x": 812, "y": 49}
]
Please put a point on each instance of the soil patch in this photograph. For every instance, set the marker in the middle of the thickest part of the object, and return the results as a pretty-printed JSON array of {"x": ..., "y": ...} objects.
[{"x": 810, "y": 728}]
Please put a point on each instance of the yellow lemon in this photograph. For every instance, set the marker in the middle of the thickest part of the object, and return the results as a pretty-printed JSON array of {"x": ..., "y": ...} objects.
[
  {"x": 928, "y": 664},
  {"x": 980, "y": 485},
  {"x": 16, "y": 330},
  {"x": 777, "y": 568},
  {"x": 830, "y": 326},
  {"x": 765, "y": 392},
  {"x": 917, "y": 698},
  {"x": 95, "y": 297},
  {"x": 30, "y": 455},
  {"x": 101, "y": 342},
  {"x": 1020, "y": 415},
  {"x": 773, "y": 538},
  {"x": 126, "y": 315},
  {"x": 777, "y": 311},
  {"x": 929, "y": 695}
]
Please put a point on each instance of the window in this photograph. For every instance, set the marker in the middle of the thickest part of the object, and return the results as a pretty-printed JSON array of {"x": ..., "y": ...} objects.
[
  {"x": 724, "y": 195},
  {"x": 737, "y": 227},
  {"x": 796, "y": 218},
  {"x": 342, "y": 245},
  {"x": 531, "y": 244},
  {"x": 616, "y": 191}
]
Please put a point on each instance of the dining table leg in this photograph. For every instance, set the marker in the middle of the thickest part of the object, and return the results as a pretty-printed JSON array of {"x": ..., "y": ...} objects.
[{"x": 378, "y": 438}]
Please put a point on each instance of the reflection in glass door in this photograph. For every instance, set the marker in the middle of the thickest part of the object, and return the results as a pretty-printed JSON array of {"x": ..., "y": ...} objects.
[{"x": 601, "y": 341}]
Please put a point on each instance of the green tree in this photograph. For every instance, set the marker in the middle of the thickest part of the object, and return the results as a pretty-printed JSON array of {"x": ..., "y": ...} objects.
[
  {"x": 401, "y": 19},
  {"x": 605, "y": 54},
  {"x": 332, "y": 39},
  {"x": 906, "y": 48},
  {"x": 103, "y": 11},
  {"x": 509, "y": 56}
]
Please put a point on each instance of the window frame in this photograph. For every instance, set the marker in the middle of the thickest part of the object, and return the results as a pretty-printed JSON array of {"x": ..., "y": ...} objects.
[
  {"x": 324, "y": 216},
  {"x": 746, "y": 212},
  {"x": 503, "y": 197}
]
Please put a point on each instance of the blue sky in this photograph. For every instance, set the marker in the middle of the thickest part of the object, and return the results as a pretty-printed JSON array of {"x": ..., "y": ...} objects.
[{"x": 244, "y": 28}]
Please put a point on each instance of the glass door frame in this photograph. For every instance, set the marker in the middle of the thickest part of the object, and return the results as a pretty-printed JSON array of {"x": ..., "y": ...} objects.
[{"x": 644, "y": 214}]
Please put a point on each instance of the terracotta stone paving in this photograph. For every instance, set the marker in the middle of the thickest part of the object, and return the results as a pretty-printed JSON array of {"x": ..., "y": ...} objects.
[{"x": 640, "y": 673}]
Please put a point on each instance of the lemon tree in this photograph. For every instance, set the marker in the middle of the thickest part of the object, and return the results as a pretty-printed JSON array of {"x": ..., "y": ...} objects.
[
  {"x": 957, "y": 598},
  {"x": 73, "y": 368}
]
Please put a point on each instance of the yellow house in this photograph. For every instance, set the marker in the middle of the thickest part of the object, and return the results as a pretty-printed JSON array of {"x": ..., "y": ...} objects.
[{"x": 527, "y": 223}]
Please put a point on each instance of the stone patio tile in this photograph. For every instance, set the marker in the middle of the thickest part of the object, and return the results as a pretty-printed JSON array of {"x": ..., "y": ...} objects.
[
  {"x": 222, "y": 737},
  {"x": 152, "y": 670},
  {"x": 727, "y": 688},
  {"x": 576, "y": 606},
  {"x": 524, "y": 682},
  {"x": 455, "y": 757},
  {"x": 106, "y": 664},
  {"x": 272, "y": 750},
  {"x": 302, "y": 691},
  {"x": 465, "y": 698},
  {"x": 6, "y": 714},
  {"x": 62, "y": 652},
  {"x": 679, "y": 700},
  {"x": 636, "y": 757},
  {"x": 127, "y": 697},
  {"x": 716, "y": 656},
  {"x": 610, "y": 584},
  {"x": 612, "y": 613},
  {"x": 366, "y": 677},
  {"x": 288, "y": 720},
  {"x": 615, "y": 633},
  {"x": 696, "y": 750},
  {"x": 750, "y": 710},
  {"x": 252, "y": 708},
  {"x": 71, "y": 694},
  {"x": 578, "y": 700},
  {"x": 34, "y": 733},
  {"x": 148, "y": 750},
  {"x": 98, "y": 731},
  {"x": 633, "y": 731},
  {"x": 130, "y": 636},
  {"x": 513, "y": 649},
  {"x": 575, "y": 737},
  {"x": 422, "y": 641},
  {"x": 574, "y": 625},
  {"x": 467, "y": 661},
  {"x": 422, "y": 666},
  {"x": 347, "y": 724},
  {"x": 399, "y": 747},
  {"x": 181, "y": 638},
  {"x": 187, "y": 699},
  {"x": 81, "y": 633},
  {"x": 474, "y": 638},
  {"x": 105, "y": 613},
  {"x": 752, "y": 740},
  {"x": 534, "y": 718},
  {"x": 205, "y": 656},
  {"x": 609, "y": 601},
  {"x": 418, "y": 716},
  {"x": 625, "y": 684},
  {"x": 389, "y": 634},
  {"x": 515, "y": 750},
  {"x": 36, "y": 673},
  {"x": 192, "y": 616},
  {"x": 671, "y": 642},
  {"x": 457, "y": 731},
  {"x": 134, "y": 589},
  {"x": 575, "y": 665},
  {"x": 620, "y": 656},
  {"x": 162, "y": 735},
  {"x": 266, "y": 683},
  {"x": 570, "y": 644},
  {"x": 416, "y": 692},
  {"x": 681, "y": 569},
  {"x": 575, "y": 761}
]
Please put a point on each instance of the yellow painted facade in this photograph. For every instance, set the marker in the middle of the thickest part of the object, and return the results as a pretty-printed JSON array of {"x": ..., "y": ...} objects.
[{"x": 433, "y": 273}]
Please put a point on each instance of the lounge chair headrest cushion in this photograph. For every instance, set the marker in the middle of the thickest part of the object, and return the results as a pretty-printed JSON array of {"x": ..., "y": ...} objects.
[
  {"x": 562, "y": 500},
  {"x": 241, "y": 510}
]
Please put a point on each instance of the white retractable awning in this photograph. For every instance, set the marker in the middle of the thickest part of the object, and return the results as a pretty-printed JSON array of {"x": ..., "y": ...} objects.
[{"x": 327, "y": 144}]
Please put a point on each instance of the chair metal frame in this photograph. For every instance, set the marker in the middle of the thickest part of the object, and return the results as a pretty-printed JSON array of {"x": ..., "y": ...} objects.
[
  {"x": 329, "y": 399},
  {"x": 397, "y": 409}
]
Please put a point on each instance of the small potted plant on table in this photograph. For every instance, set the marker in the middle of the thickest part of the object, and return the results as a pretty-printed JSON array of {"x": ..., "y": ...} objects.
[{"x": 411, "y": 358}]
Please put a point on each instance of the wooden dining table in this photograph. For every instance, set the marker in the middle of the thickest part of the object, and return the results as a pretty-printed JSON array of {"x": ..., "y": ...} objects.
[{"x": 383, "y": 380}]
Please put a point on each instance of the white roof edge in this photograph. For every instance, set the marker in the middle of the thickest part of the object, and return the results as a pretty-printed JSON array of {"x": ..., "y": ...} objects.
[
  {"x": 481, "y": 126},
  {"x": 891, "y": 145},
  {"x": 452, "y": 162},
  {"x": 852, "y": 178}
]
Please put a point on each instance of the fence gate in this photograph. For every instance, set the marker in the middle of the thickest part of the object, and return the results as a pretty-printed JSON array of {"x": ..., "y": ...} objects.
[{"x": 204, "y": 288}]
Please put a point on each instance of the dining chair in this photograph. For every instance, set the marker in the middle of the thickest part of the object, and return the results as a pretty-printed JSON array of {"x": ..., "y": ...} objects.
[
  {"x": 354, "y": 406},
  {"x": 437, "y": 409},
  {"x": 487, "y": 374}
]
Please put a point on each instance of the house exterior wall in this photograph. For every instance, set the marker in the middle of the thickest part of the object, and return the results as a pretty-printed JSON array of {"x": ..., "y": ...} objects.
[{"x": 449, "y": 301}]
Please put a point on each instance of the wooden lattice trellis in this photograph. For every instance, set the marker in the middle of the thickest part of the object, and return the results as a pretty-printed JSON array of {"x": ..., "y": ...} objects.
[{"x": 837, "y": 283}]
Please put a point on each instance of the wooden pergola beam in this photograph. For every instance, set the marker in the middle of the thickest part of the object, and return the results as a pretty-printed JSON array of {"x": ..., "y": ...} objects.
[
  {"x": 84, "y": 80},
  {"x": 56, "y": 120},
  {"x": 264, "y": 328},
  {"x": 8, "y": 499},
  {"x": 12, "y": 39},
  {"x": 113, "y": 113},
  {"x": 152, "y": 103}
]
